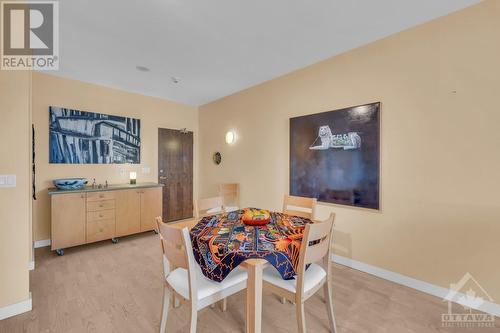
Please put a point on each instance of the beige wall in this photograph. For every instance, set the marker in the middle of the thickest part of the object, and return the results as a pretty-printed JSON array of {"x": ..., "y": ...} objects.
[
  {"x": 154, "y": 113},
  {"x": 14, "y": 202},
  {"x": 439, "y": 85}
]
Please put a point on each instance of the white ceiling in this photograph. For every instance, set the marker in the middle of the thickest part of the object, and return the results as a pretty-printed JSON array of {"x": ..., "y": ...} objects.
[{"x": 218, "y": 47}]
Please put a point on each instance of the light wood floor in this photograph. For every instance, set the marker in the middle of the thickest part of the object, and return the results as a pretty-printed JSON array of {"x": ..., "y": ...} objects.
[{"x": 117, "y": 288}]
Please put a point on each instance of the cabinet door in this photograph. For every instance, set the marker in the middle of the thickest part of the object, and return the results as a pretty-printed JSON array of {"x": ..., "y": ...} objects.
[
  {"x": 68, "y": 220},
  {"x": 128, "y": 212},
  {"x": 151, "y": 207}
]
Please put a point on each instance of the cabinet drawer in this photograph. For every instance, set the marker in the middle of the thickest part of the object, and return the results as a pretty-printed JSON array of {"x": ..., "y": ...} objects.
[
  {"x": 96, "y": 196},
  {"x": 101, "y": 215},
  {"x": 100, "y": 230},
  {"x": 93, "y": 206}
]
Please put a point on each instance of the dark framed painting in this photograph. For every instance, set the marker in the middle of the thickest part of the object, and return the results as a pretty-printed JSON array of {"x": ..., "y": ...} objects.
[
  {"x": 335, "y": 156},
  {"x": 81, "y": 137}
]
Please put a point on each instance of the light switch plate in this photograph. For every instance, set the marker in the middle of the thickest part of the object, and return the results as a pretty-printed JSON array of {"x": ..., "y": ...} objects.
[
  {"x": 7, "y": 180},
  {"x": 146, "y": 170}
]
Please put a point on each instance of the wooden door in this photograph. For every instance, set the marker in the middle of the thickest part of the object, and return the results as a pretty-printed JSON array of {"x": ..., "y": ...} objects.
[
  {"x": 151, "y": 203},
  {"x": 128, "y": 212},
  {"x": 68, "y": 220},
  {"x": 175, "y": 171}
]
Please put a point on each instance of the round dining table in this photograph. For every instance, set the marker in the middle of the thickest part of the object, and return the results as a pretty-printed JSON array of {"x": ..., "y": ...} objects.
[{"x": 223, "y": 242}]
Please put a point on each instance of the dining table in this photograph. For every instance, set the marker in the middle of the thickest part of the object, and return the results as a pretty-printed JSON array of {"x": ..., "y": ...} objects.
[{"x": 222, "y": 242}]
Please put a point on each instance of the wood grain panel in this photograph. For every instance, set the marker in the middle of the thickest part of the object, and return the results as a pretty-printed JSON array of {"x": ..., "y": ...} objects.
[
  {"x": 128, "y": 212},
  {"x": 175, "y": 165},
  {"x": 68, "y": 220},
  {"x": 93, "y": 206},
  {"x": 101, "y": 215},
  {"x": 151, "y": 203},
  {"x": 100, "y": 230},
  {"x": 96, "y": 196}
]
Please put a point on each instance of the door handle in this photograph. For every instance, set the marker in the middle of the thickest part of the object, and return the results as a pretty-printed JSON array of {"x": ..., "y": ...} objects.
[{"x": 163, "y": 178}]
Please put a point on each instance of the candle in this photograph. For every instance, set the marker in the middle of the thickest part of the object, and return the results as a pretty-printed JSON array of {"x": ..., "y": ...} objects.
[{"x": 133, "y": 177}]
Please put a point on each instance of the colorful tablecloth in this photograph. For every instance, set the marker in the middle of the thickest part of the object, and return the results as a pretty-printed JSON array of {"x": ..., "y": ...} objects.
[{"x": 222, "y": 242}]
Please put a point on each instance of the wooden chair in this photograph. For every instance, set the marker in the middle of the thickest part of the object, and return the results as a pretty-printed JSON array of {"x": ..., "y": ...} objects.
[
  {"x": 308, "y": 205},
  {"x": 186, "y": 282},
  {"x": 230, "y": 194},
  {"x": 316, "y": 246},
  {"x": 208, "y": 206}
]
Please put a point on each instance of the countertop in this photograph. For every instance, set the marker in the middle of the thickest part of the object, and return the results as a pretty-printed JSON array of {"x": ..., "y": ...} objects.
[{"x": 114, "y": 187}]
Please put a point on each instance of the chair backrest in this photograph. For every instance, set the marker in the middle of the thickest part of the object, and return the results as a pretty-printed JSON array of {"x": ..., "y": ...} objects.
[
  {"x": 308, "y": 206},
  {"x": 230, "y": 194},
  {"x": 208, "y": 206},
  {"x": 172, "y": 244},
  {"x": 316, "y": 245},
  {"x": 177, "y": 252}
]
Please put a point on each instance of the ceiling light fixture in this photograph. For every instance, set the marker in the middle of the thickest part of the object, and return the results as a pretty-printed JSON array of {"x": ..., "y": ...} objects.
[
  {"x": 142, "y": 68},
  {"x": 175, "y": 79}
]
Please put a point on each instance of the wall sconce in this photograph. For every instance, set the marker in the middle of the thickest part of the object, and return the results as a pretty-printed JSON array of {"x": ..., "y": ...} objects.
[
  {"x": 133, "y": 177},
  {"x": 230, "y": 137}
]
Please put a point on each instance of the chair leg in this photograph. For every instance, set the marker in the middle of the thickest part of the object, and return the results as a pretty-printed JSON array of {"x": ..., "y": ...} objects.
[
  {"x": 193, "y": 319},
  {"x": 283, "y": 300},
  {"x": 301, "y": 319},
  {"x": 212, "y": 306},
  {"x": 166, "y": 306},
  {"x": 329, "y": 302},
  {"x": 224, "y": 305}
]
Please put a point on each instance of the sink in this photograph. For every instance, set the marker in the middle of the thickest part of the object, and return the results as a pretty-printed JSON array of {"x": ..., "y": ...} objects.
[{"x": 70, "y": 183}]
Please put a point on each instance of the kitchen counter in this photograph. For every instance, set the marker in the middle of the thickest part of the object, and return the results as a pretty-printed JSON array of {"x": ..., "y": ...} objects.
[{"x": 54, "y": 190}]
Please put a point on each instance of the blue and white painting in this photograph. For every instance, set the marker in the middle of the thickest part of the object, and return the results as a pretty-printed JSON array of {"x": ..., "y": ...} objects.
[{"x": 80, "y": 137}]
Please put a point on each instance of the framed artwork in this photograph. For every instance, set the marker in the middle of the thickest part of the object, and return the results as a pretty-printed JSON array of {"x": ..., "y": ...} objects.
[
  {"x": 335, "y": 156},
  {"x": 80, "y": 137}
]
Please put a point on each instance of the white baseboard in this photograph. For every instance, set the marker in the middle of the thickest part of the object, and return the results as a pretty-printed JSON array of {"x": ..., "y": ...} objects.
[
  {"x": 425, "y": 287},
  {"x": 41, "y": 243},
  {"x": 15, "y": 309},
  {"x": 31, "y": 265}
]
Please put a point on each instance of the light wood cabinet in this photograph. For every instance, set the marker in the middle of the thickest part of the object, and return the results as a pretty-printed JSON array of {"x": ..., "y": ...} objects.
[
  {"x": 80, "y": 218},
  {"x": 151, "y": 207},
  {"x": 68, "y": 220},
  {"x": 128, "y": 212},
  {"x": 94, "y": 206},
  {"x": 100, "y": 196},
  {"x": 100, "y": 230}
]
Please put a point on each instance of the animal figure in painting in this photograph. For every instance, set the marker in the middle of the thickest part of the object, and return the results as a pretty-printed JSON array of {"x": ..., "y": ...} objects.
[{"x": 346, "y": 141}]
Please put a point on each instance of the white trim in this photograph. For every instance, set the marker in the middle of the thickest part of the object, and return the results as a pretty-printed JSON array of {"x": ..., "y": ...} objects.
[
  {"x": 15, "y": 309},
  {"x": 31, "y": 265},
  {"x": 41, "y": 243},
  {"x": 425, "y": 287}
]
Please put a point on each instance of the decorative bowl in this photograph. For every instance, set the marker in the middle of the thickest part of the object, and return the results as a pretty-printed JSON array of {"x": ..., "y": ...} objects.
[
  {"x": 255, "y": 217},
  {"x": 70, "y": 183}
]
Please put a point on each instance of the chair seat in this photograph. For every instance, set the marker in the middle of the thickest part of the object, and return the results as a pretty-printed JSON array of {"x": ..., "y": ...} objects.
[
  {"x": 179, "y": 280},
  {"x": 312, "y": 276},
  {"x": 215, "y": 211},
  {"x": 229, "y": 209}
]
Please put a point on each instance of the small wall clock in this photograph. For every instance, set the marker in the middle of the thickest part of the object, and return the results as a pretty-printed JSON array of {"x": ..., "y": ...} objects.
[{"x": 217, "y": 158}]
